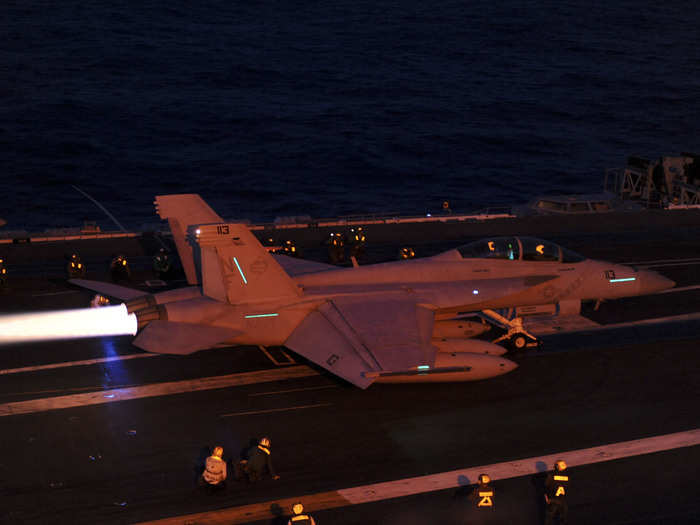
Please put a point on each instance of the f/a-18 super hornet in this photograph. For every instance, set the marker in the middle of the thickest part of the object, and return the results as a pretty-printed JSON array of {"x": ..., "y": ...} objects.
[{"x": 389, "y": 322}]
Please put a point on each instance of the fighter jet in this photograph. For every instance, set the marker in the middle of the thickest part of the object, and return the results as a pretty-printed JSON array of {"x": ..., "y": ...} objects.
[{"x": 389, "y": 322}]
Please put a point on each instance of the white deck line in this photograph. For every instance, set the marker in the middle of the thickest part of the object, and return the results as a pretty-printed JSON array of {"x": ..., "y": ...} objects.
[
  {"x": 65, "y": 364},
  {"x": 521, "y": 467},
  {"x": 681, "y": 289},
  {"x": 153, "y": 390},
  {"x": 654, "y": 320},
  {"x": 545, "y": 328},
  {"x": 666, "y": 265},
  {"x": 652, "y": 262},
  {"x": 65, "y": 292},
  {"x": 292, "y": 390},
  {"x": 270, "y": 410},
  {"x": 441, "y": 481},
  {"x": 72, "y": 237}
]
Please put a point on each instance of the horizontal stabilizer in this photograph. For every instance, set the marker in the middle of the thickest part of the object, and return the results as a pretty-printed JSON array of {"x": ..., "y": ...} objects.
[
  {"x": 169, "y": 337},
  {"x": 108, "y": 289}
]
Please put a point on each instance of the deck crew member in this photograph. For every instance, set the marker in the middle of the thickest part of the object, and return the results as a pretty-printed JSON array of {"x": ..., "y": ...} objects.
[
  {"x": 119, "y": 269},
  {"x": 75, "y": 269},
  {"x": 214, "y": 474},
  {"x": 556, "y": 488},
  {"x": 260, "y": 460},
  {"x": 358, "y": 241},
  {"x": 336, "y": 248},
  {"x": 161, "y": 264},
  {"x": 483, "y": 502},
  {"x": 483, "y": 494},
  {"x": 298, "y": 516}
]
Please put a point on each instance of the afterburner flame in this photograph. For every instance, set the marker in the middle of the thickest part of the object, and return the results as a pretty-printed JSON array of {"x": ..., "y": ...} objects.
[{"x": 67, "y": 324}]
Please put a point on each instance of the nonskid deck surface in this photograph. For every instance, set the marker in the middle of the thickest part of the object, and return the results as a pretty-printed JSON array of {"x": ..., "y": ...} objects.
[{"x": 131, "y": 459}]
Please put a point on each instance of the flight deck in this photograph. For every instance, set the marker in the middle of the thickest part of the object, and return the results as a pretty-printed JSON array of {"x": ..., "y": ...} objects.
[{"x": 97, "y": 430}]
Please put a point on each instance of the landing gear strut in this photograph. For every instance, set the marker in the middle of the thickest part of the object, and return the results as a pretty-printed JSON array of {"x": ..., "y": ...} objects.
[{"x": 516, "y": 336}]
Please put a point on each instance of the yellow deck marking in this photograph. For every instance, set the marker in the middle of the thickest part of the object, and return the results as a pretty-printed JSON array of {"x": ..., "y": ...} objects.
[{"x": 446, "y": 480}]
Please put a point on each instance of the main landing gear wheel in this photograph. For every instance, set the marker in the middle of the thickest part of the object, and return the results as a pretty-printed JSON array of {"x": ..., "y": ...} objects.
[{"x": 519, "y": 341}]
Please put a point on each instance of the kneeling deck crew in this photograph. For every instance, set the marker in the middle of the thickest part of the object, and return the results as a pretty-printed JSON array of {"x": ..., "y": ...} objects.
[
  {"x": 260, "y": 460},
  {"x": 214, "y": 474}
]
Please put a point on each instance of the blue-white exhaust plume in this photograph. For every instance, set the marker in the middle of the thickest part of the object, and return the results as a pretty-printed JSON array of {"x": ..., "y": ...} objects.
[{"x": 67, "y": 324}]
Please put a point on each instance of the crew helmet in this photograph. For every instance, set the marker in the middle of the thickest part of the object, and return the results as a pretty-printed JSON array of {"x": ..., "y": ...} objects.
[
  {"x": 265, "y": 442},
  {"x": 218, "y": 452},
  {"x": 484, "y": 479},
  {"x": 560, "y": 465},
  {"x": 298, "y": 508}
]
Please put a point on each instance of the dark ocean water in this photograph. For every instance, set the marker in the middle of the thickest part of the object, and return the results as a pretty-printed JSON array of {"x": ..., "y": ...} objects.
[{"x": 272, "y": 108}]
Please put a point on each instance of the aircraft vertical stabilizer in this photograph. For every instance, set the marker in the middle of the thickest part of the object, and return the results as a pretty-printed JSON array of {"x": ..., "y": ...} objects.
[
  {"x": 236, "y": 268},
  {"x": 182, "y": 211}
]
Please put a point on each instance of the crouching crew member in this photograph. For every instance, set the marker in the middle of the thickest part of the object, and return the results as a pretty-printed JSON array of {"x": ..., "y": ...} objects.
[
  {"x": 260, "y": 460},
  {"x": 556, "y": 488},
  {"x": 298, "y": 516},
  {"x": 214, "y": 474}
]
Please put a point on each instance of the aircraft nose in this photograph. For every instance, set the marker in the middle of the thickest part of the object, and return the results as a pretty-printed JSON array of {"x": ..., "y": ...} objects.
[{"x": 651, "y": 282}]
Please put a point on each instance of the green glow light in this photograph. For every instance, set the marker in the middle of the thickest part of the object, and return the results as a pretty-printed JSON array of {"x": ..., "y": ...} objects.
[{"x": 245, "y": 281}]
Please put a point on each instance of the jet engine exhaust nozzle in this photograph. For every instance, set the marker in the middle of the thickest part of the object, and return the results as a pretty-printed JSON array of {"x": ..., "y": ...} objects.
[{"x": 146, "y": 310}]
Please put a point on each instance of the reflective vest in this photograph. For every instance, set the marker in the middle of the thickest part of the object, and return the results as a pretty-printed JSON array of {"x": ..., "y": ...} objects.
[
  {"x": 484, "y": 496},
  {"x": 558, "y": 486},
  {"x": 215, "y": 470},
  {"x": 300, "y": 519}
]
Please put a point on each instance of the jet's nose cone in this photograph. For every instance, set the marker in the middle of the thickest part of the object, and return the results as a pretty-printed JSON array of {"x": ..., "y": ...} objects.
[{"x": 651, "y": 282}]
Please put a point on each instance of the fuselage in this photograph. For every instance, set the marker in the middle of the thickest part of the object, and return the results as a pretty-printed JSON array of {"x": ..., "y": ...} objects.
[{"x": 448, "y": 283}]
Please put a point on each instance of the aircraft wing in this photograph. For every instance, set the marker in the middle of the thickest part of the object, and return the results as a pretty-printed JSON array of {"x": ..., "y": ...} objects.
[
  {"x": 355, "y": 338},
  {"x": 294, "y": 266},
  {"x": 111, "y": 290}
]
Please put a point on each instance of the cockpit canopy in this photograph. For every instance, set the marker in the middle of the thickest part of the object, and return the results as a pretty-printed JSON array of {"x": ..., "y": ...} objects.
[{"x": 518, "y": 249}]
